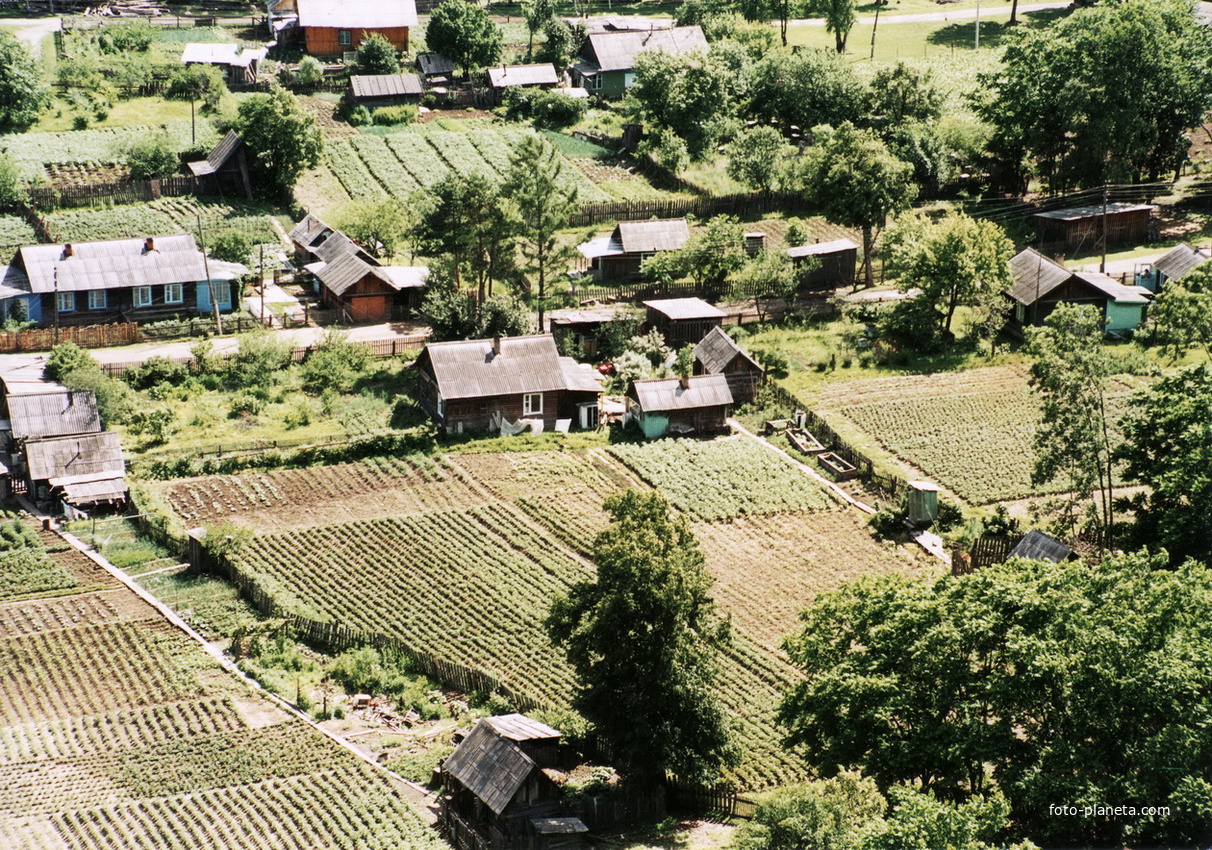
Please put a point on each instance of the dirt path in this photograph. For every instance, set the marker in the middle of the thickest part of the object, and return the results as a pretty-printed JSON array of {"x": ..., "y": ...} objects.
[
  {"x": 32, "y": 30},
  {"x": 995, "y": 11}
]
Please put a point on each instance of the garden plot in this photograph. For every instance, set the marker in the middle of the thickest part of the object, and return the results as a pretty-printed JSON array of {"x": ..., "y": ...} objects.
[
  {"x": 162, "y": 216},
  {"x": 99, "y": 147}
]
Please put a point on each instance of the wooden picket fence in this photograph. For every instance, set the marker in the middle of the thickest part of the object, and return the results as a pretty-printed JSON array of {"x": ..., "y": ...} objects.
[
  {"x": 85, "y": 336},
  {"x": 132, "y": 191}
]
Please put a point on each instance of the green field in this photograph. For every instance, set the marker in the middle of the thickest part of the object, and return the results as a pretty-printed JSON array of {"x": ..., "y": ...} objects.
[{"x": 93, "y": 147}]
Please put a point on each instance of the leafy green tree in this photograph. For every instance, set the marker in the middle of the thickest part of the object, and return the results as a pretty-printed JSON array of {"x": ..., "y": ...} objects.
[
  {"x": 902, "y": 93},
  {"x": 377, "y": 55},
  {"x": 686, "y": 94},
  {"x": 537, "y": 14},
  {"x": 22, "y": 91},
  {"x": 561, "y": 42},
  {"x": 920, "y": 821},
  {"x": 257, "y": 361},
  {"x": 770, "y": 275},
  {"x": 382, "y": 225},
  {"x": 198, "y": 82},
  {"x": 1076, "y": 106},
  {"x": 643, "y": 637},
  {"x": 1168, "y": 447},
  {"x": 66, "y": 357},
  {"x": 153, "y": 157},
  {"x": 281, "y": 136},
  {"x": 1051, "y": 681},
  {"x": 463, "y": 32},
  {"x": 466, "y": 223},
  {"x": 856, "y": 181},
  {"x": 310, "y": 72},
  {"x": 542, "y": 207},
  {"x": 805, "y": 89},
  {"x": 231, "y": 246},
  {"x": 756, "y": 157},
  {"x": 335, "y": 364},
  {"x": 829, "y": 814},
  {"x": 839, "y": 16},
  {"x": 710, "y": 258},
  {"x": 955, "y": 261},
  {"x": 1182, "y": 313},
  {"x": 1070, "y": 375},
  {"x": 75, "y": 368},
  {"x": 454, "y": 314}
]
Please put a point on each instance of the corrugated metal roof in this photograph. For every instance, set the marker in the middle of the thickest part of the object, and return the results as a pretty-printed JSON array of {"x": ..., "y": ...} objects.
[
  {"x": 642, "y": 237},
  {"x": 523, "y": 75},
  {"x": 385, "y": 85},
  {"x": 406, "y": 277},
  {"x": 346, "y": 270},
  {"x": 86, "y": 454},
  {"x": 357, "y": 14},
  {"x": 1093, "y": 211},
  {"x": 53, "y": 414},
  {"x": 210, "y": 54},
  {"x": 219, "y": 155},
  {"x": 617, "y": 51},
  {"x": 669, "y": 394},
  {"x": 519, "y": 727},
  {"x": 1037, "y": 546},
  {"x": 113, "y": 264},
  {"x": 716, "y": 350},
  {"x": 818, "y": 249},
  {"x": 685, "y": 308},
  {"x": 469, "y": 369},
  {"x": 1115, "y": 290},
  {"x": 87, "y": 489},
  {"x": 619, "y": 23},
  {"x": 1178, "y": 261},
  {"x": 490, "y": 766},
  {"x": 580, "y": 377},
  {"x": 1035, "y": 276}
]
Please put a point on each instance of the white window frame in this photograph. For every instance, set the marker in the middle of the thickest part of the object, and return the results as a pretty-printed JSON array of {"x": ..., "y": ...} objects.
[
  {"x": 174, "y": 293},
  {"x": 345, "y": 38},
  {"x": 65, "y": 302},
  {"x": 595, "y": 82},
  {"x": 98, "y": 299},
  {"x": 222, "y": 291},
  {"x": 441, "y": 407},
  {"x": 528, "y": 404},
  {"x": 141, "y": 296}
]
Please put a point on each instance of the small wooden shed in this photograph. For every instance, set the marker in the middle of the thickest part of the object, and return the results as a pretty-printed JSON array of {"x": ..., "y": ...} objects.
[
  {"x": 226, "y": 165},
  {"x": 542, "y": 75},
  {"x": 1081, "y": 229},
  {"x": 718, "y": 354},
  {"x": 682, "y": 321},
  {"x": 1175, "y": 264},
  {"x": 376, "y": 90},
  {"x": 621, "y": 255},
  {"x": 691, "y": 405},
  {"x": 83, "y": 470},
  {"x": 835, "y": 264}
]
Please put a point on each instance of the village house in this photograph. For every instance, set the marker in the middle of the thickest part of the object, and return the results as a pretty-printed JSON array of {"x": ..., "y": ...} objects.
[
  {"x": 1172, "y": 265},
  {"x": 55, "y": 412},
  {"x": 375, "y": 90},
  {"x": 83, "y": 472},
  {"x": 621, "y": 255},
  {"x": 605, "y": 65},
  {"x": 583, "y": 327},
  {"x": 718, "y": 354},
  {"x": 1041, "y": 283},
  {"x": 687, "y": 405},
  {"x": 492, "y": 384},
  {"x": 334, "y": 27},
  {"x": 307, "y": 236},
  {"x": 502, "y": 77},
  {"x": 502, "y": 784},
  {"x": 240, "y": 65},
  {"x": 835, "y": 262},
  {"x": 1081, "y": 229},
  {"x": 225, "y": 167},
  {"x": 132, "y": 280},
  {"x": 682, "y": 321}
]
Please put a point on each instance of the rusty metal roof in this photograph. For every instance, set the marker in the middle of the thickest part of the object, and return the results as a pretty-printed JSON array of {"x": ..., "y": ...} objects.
[
  {"x": 677, "y": 309},
  {"x": 384, "y": 85},
  {"x": 112, "y": 264},
  {"x": 490, "y": 766},
  {"x": 86, "y": 454},
  {"x": 716, "y": 350},
  {"x": 503, "y": 76},
  {"x": 470, "y": 369},
  {"x": 642, "y": 237},
  {"x": 669, "y": 394},
  {"x": 617, "y": 51},
  {"x": 53, "y": 414}
]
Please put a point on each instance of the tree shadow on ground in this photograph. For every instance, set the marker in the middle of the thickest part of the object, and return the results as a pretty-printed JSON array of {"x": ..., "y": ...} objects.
[{"x": 993, "y": 33}]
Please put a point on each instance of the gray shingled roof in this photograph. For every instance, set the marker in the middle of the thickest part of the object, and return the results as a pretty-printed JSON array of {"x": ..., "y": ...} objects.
[
  {"x": 716, "y": 350},
  {"x": 490, "y": 766},
  {"x": 617, "y": 51},
  {"x": 642, "y": 237},
  {"x": 345, "y": 270},
  {"x": 1035, "y": 276},
  {"x": 1037, "y": 546},
  {"x": 308, "y": 230},
  {"x": 1113, "y": 289},
  {"x": 579, "y": 377},
  {"x": 435, "y": 64},
  {"x": 64, "y": 457},
  {"x": 669, "y": 394},
  {"x": 385, "y": 85},
  {"x": 469, "y": 369},
  {"x": 1178, "y": 261},
  {"x": 53, "y": 414},
  {"x": 219, "y": 155},
  {"x": 685, "y": 308},
  {"x": 112, "y": 264},
  {"x": 543, "y": 74}
]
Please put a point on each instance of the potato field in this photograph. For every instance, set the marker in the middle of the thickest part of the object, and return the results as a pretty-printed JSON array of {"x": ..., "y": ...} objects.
[
  {"x": 163, "y": 216},
  {"x": 400, "y": 164},
  {"x": 969, "y": 431},
  {"x": 102, "y": 146},
  {"x": 118, "y": 731}
]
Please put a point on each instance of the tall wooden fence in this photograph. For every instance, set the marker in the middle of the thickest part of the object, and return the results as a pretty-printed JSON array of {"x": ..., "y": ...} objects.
[
  {"x": 133, "y": 191},
  {"x": 700, "y": 207},
  {"x": 85, "y": 336}
]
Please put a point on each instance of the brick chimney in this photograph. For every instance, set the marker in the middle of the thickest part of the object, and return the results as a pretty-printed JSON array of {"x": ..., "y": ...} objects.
[{"x": 496, "y": 346}]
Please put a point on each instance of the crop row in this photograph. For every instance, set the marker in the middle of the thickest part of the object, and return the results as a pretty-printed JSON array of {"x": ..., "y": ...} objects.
[
  {"x": 162, "y": 216},
  {"x": 14, "y": 232},
  {"x": 384, "y": 165},
  {"x": 345, "y": 808},
  {"x": 415, "y": 153},
  {"x": 33, "y": 150},
  {"x": 65, "y": 612},
  {"x": 724, "y": 478},
  {"x": 351, "y": 171}
]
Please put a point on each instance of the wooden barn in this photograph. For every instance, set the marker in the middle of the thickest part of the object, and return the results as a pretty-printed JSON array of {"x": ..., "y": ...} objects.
[
  {"x": 621, "y": 255},
  {"x": 682, "y": 321},
  {"x": 354, "y": 284},
  {"x": 584, "y": 327},
  {"x": 691, "y": 405},
  {"x": 500, "y": 785},
  {"x": 240, "y": 65},
  {"x": 226, "y": 165},
  {"x": 718, "y": 354},
  {"x": 539, "y": 76},
  {"x": 493, "y": 384},
  {"x": 1041, "y": 283},
  {"x": 1081, "y": 229},
  {"x": 334, "y": 27},
  {"x": 83, "y": 471},
  {"x": 835, "y": 263},
  {"x": 375, "y": 90}
]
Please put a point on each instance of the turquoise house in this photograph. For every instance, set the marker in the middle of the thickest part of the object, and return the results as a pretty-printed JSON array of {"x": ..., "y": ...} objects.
[
  {"x": 671, "y": 406},
  {"x": 1040, "y": 283},
  {"x": 1172, "y": 265}
]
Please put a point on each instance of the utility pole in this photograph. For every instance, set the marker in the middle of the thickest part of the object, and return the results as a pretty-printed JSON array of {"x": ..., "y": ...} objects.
[
  {"x": 262, "y": 283},
  {"x": 1102, "y": 266},
  {"x": 875, "y": 26},
  {"x": 210, "y": 284},
  {"x": 56, "y": 303},
  {"x": 978, "y": 25}
]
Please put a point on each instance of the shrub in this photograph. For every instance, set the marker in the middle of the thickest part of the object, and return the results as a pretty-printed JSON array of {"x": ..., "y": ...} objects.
[
  {"x": 66, "y": 357},
  {"x": 335, "y": 364},
  {"x": 556, "y": 109},
  {"x": 358, "y": 116},
  {"x": 231, "y": 246},
  {"x": 385, "y": 116},
  {"x": 154, "y": 372},
  {"x": 376, "y": 55},
  {"x": 152, "y": 158},
  {"x": 310, "y": 72},
  {"x": 131, "y": 38},
  {"x": 256, "y": 362},
  {"x": 245, "y": 403}
]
